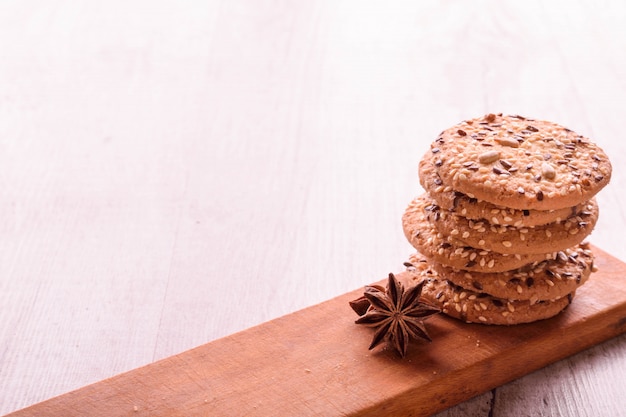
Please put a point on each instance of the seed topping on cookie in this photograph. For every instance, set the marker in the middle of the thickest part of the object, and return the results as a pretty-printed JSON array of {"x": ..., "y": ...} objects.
[{"x": 519, "y": 163}]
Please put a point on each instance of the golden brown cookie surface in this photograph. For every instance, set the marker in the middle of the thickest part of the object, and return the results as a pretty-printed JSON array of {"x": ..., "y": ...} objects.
[
  {"x": 474, "y": 209},
  {"x": 423, "y": 236},
  {"x": 476, "y": 307},
  {"x": 520, "y": 163},
  {"x": 545, "y": 280},
  {"x": 516, "y": 240}
]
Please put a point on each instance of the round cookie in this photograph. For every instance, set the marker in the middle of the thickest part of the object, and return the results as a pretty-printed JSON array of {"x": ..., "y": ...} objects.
[
  {"x": 545, "y": 280},
  {"x": 519, "y": 163},
  {"x": 475, "y": 209},
  {"x": 510, "y": 239},
  {"x": 474, "y": 307},
  {"x": 423, "y": 236}
]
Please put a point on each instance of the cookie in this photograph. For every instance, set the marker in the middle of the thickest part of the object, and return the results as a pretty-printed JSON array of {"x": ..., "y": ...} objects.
[
  {"x": 545, "y": 280},
  {"x": 473, "y": 307},
  {"x": 477, "y": 307},
  {"x": 472, "y": 208},
  {"x": 424, "y": 237},
  {"x": 519, "y": 163},
  {"x": 516, "y": 240}
]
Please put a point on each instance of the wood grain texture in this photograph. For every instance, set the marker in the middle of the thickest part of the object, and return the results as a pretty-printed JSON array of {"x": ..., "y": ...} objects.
[
  {"x": 314, "y": 362},
  {"x": 174, "y": 172}
]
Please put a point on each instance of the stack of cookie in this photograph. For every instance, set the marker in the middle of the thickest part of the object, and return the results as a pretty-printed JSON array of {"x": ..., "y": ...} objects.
[{"x": 499, "y": 231}]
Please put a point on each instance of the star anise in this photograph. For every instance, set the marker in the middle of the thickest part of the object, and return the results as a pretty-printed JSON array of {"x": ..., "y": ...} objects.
[{"x": 397, "y": 315}]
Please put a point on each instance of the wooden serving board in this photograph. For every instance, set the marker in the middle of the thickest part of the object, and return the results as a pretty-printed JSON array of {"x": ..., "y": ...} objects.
[{"x": 316, "y": 362}]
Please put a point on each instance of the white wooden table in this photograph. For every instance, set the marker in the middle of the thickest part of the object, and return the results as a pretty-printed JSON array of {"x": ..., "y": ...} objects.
[{"x": 173, "y": 172}]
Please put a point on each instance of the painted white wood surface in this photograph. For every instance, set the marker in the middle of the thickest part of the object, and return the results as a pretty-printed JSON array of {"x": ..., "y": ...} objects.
[{"x": 173, "y": 172}]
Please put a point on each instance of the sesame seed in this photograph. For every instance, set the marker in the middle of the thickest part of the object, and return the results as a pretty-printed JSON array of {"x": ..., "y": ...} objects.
[
  {"x": 491, "y": 263},
  {"x": 482, "y": 318},
  {"x": 507, "y": 244}
]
